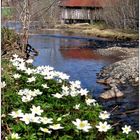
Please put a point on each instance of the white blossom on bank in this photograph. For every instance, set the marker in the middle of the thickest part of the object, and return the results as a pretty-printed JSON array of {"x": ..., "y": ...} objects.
[
  {"x": 59, "y": 119},
  {"x": 36, "y": 110},
  {"x": 16, "y": 114},
  {"x": 15, "y": 136},
  {"x": 45, "y": 86},
  {"x": 46, "y": 130},
  {"x": 83, "y": 92},
  {"x": 75, "y": 84},
  {"x": 29, "y": 71},
  {"x": 103, "y": 127},
  {"x": 126, "y": 129},
  {"x": 57, "y": 95},
  {"x": 32, "y": 79},
  {"x": 90, "y": 102},
  {"x": 29, "y": 61},
  {"x": 56, "y": 126},
  {"x": 46, "y": 120},
  {"x": 62, "y": 76},
  {"x": 26, "y": 98},
  {"x": 82, "y": 125},
  {"x": 3, "y": 84},
  {"x": 27, "y": 118},
  {"x": 28, "y": 95},
  {"x": 77, "y": 106},
  {"x": 104, "y": 115},
  {"x": 16, "y": 76},
  {"x": 15, "y": 55}
]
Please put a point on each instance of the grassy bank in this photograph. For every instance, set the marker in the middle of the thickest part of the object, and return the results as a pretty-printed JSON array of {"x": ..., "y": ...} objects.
[{"x": 100, "y": 30}]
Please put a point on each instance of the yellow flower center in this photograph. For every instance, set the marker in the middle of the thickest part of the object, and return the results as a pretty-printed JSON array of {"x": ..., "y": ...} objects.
[
  {"x": 55, "y": 125},
  {"x": 82, "y": 125},
  {"x": 45, "y": 130}
]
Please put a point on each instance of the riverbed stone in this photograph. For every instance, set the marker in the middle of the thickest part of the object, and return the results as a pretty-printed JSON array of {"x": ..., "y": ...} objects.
[
  {"x": 112, "y": 93},
  {"x": 127, "y": 70}
]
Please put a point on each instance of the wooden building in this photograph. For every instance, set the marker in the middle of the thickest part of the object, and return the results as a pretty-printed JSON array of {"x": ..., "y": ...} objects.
[{"x": 81, "y": 11}]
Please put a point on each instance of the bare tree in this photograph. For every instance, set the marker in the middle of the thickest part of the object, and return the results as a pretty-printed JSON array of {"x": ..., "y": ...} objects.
[{"x": 121, "y": 14}]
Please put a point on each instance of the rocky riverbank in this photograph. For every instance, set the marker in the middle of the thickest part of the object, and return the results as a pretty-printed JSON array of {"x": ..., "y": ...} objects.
[{"x": 124, "y": 72}]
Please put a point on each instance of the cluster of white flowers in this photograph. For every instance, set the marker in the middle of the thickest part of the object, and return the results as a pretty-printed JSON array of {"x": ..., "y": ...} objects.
[
  {"x": 28, "y": 95},
  {"x": 73, "y": 90}
]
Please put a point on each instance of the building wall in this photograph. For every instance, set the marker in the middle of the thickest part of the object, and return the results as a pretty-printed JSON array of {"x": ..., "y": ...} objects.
[{"x": 80, "y": 14}]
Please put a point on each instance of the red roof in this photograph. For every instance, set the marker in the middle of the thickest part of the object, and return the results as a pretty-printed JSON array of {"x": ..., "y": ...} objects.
[{"x": 85, "y": 3}]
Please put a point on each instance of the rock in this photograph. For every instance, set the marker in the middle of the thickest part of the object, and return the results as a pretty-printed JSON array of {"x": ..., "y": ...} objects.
[
  {"x": 101, "y": 81},
  {"x": 137, "y": 79},
  {"x": 121, "y": 72},
  {"x": 112, "y": 93}
]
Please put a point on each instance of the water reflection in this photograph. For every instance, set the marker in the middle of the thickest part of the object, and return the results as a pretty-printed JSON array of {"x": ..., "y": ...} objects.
[{"x": 72, "y": 57}]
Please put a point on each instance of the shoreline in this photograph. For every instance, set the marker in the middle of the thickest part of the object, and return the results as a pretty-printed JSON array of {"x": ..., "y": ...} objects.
[{"x": 99, "y": 31}]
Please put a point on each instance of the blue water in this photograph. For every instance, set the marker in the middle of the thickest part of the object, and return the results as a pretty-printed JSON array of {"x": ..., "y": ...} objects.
[{"x": 60, "y": 53}]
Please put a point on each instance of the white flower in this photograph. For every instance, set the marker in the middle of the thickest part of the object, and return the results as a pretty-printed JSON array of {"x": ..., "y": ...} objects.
[
  {"x": 45, "y": 86},
  {"x": 90, "y": 101},
  {"x": 59, "y": 119},
  {"x": 76, "y": 84},
  {"x": 126, "y": 129},
  {"x": 32, "y": 79},
  {"x": 26, "y": 98},
  {"x": 62, "y": 76},
  {"x": 66, "y": 115},
  {"x": 15, "y": 136},
  {"x": 103, "y": 127},
  {"x": 29, "y": 71},
  {"x": 74, "y": 93},
  {"x": 137, "y": 132},
  {"x": 77, "y": 106},
  {"x": 65, "y": 90},
  {"x": 23, "y": 92},
  {"x": 27, "y": 118},
  {"x": 16, "y": 76},
  {"x": 57, "y": 95},
  {"x": 45, "y": 130},
  {"x": 21, "y": 67},
  {"x": 15, "y": 55},
  {"x": 56, "y": 126},
  {"x": 37, "y": 92},
  {"x": 36, "y": 119},
  {"x": 16, "y": 114},
  {"x": 82, "y": 125},
  {"x": 36, "y": 110},
  {"x": 3, "y": 84},
  {"x": 83, "y": 92},
  {"x": 29, "y": 61},
  {"x": 46, "y": 120},
  {"x": 32, "y": 93},
  {"x": 104, "y": 115}
]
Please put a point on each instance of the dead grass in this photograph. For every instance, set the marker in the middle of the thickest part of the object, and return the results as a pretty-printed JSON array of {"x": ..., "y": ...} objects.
[{"x": 100, "y": 31}]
